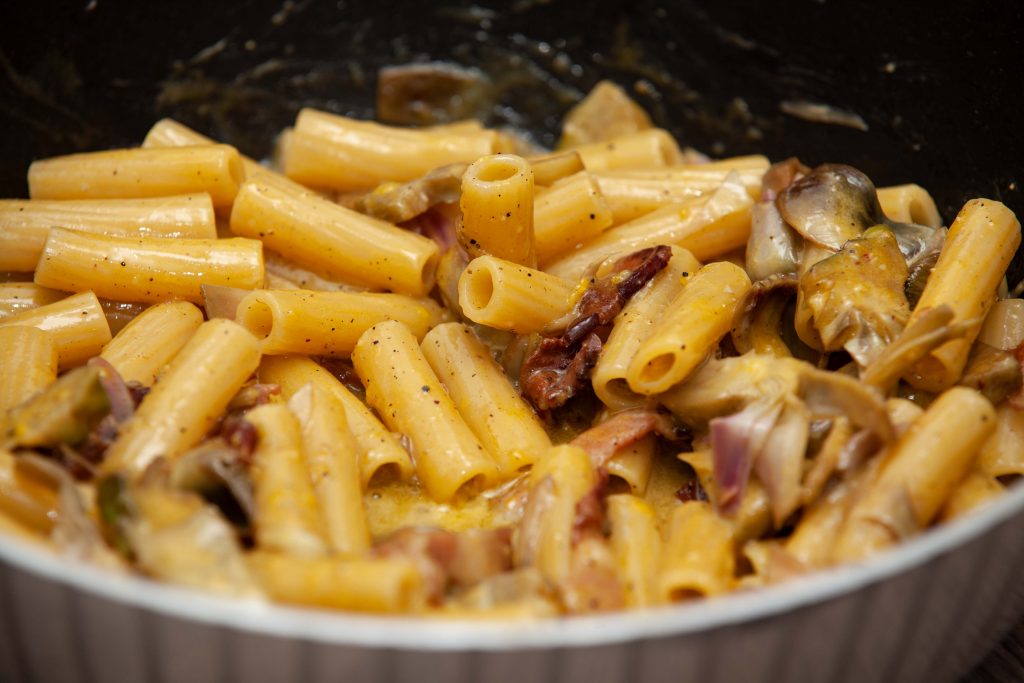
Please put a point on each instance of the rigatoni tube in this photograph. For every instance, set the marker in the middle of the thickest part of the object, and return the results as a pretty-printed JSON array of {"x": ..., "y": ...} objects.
[
  {"x": 497, "y": 209},
  {"x": 365, "y": 585},
  {"x": 980, "y": 244},
  {"x": 381, "y": 455},
  {"x": 567, "y": 214},
  {"x": 690, "y": 328},
  {"x": 147, "y": 270},
  {"x": 697, "y": 558},
  {"x": 335, "y": 242},
  {"x": 141, "y": 350},
  {"x": 76, "y": 324},
  {"x": 28, "y": 363},
  {"x": 407, "y": 395},
  {"x": 287, "y": 515},
  {"x": 332, "y": 462},
  {"x": 919, "y": 473},
  {"x": 126, "y": 173},
  {"x": 633, "y": 326},
  {"x": 26, "y": 223},
  {"x": 189, "y": 398},
  {"x": 21, "y": 296},
  {"x": 708, "y": 227},
  {"x": 484, "y": 396},
  {"x": 344, "y": 154},
  {"x": 506, "y": 296},
  {"x": 327, "y": 323}
]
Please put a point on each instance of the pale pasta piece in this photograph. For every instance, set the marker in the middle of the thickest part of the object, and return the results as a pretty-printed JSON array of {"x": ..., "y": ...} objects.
[
  {"x": 147, "y": 270},
  {"x": 327, "y": 323},
  {"x": 505, "y": 424},
  {"x": 709, "y": 227},
  {"x": 697, "y": 558},
  {"x": 336, "y": 152},
  {"x": 567, "y": 214},
  {"x": 553, "y": 166},
  {"x": 643, "y": 149},
  {"x": 753, "y": 517},
  {"x": 141, "y": 350},
  {"x": 507, "y": 296},
  {"x": 979, "y": 247},
  {"x": 170, "y": 133},
  {"x": 1003, "y": 453},
  {"x": 636, "y": 545},
  {"x": 689, "y": 329},
  {"x": 909, "y": 204},
  {"x": 633, "y": 464},
  {"x": 190, "y": 397},
  {"x": 333, "y": 241},
  {"x": 497, "y": 209},
  {"x": 972, "y": 493},
  {"x": 21, "y": 296},
  {"x": 406, "y": 393},
  {"x": 919, "y": 474},
  {"x": 76, "y": 325},
  {"x": 332, "y": 462},
  {"x": 363, "y": 585},
  {"x": 567, "y": 471},
  {"x": 633, "y": 326},
  {"x": 135, "y": 173},
  {"x": 381, "y": 455},
  {"x": 1004, "y": 325},
  {"x": 287, "y": 516},
  {"x": 633, "y": 193},
  {"x": 25, "y": 224},
  {"x": 28, "y": 363}
]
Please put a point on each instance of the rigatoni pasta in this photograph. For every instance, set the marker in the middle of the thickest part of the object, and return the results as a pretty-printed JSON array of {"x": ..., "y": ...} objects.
[
  {"x": 25, "y": 224},
  {"x": 615, "y": 394},
  {"x": 147, "y": 269}
]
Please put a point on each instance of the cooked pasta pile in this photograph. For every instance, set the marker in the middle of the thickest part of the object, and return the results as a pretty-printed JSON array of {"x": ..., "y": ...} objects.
[{"x": 439, "y": 370}]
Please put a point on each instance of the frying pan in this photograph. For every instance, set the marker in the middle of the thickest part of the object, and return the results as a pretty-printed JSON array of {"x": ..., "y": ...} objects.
[{"x": 915, "y": 94}]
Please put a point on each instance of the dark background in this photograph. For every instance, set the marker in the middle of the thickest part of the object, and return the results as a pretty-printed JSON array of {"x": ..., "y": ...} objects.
[{"x": 938, "y": 85}]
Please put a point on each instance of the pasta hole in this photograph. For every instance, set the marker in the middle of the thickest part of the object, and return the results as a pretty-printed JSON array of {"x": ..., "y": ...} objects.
[
  {"x": 657, "y": 367},
  {"x": 257, "y": 318},
  {"x": 498, "y": 168},
  {"x": 387, "y": 473},
  {"x": 683, "y": 594},
  {"x": 479, "y": 289}
]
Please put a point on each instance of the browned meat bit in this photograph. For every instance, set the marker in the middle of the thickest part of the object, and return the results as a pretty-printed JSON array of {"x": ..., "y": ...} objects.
[
  {"x": 559, "y": 367},
  {"x": 590, "y": 510},
  {"x": 623, "y": 429},
  {"x": 593, "y": 583},
  {"x": 253, "y": 394},
  {"x": 606, "y": 297},
  {"x": 556, "y": 370},
  {"x": 692, "y": 490},
  {"x": 448, "y": 559}
]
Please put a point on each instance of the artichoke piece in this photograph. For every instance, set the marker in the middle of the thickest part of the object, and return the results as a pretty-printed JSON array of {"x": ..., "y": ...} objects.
[
  {"x": 63, "y": 413},
  {"x": 856, "y": 297}
]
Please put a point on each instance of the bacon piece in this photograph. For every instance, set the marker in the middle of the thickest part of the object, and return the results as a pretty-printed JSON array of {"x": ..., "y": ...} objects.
[
  {"x": 692, "y": 490},
  {"x": 623, "y": 429},
  {"x": 590, "y": 511},
  {"x": 555, "y": 371},
  {"x": 559, "y": 367},
  {"x": 445, "y": 558}
]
